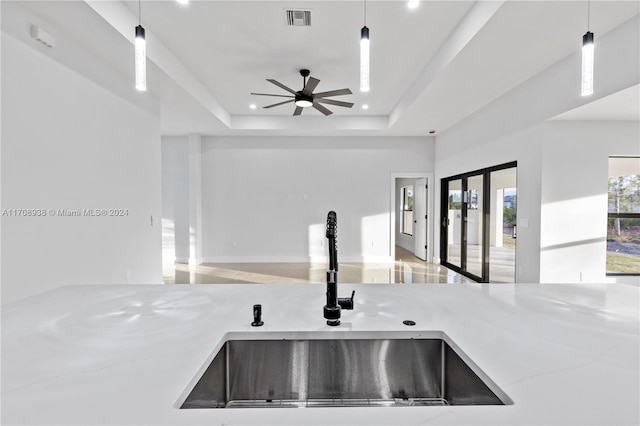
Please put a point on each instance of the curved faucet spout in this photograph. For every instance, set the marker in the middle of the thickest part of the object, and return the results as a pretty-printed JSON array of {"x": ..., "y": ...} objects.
[{"x": 332, "y": 236}]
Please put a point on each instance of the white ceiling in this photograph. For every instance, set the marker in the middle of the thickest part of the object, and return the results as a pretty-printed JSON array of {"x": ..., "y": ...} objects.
[
  {"x": 431, "y": 67},
  {"x": 623, "y": 105}
]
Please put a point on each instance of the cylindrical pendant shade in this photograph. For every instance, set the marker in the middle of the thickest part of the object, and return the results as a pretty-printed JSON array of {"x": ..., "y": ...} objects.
[
  {"x": 141, "y": 59},
  {"x": 364, "y": 60},
  {"x": 587, "y": 64}
]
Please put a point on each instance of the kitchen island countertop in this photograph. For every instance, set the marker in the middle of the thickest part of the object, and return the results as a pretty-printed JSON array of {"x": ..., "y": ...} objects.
[{"x": 125, "y": 354}]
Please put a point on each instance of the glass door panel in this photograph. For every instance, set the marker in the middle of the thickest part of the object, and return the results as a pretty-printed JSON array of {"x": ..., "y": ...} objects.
[
  {"x": 474, "y": 216},
  {"x": 454, "y": 222},
  {"x": 502, "y": 228},
  {"x": 478, "y": 228}
]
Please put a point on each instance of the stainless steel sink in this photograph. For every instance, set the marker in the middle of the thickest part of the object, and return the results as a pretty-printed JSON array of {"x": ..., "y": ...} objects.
[{"x": 260, "y": 370}]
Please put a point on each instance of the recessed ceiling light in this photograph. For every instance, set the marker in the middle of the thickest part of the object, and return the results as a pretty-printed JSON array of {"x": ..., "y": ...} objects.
[
  {"x": 252, "y": 106},
  {"x": 365, "y": 106},
  {"x": 183, "y": 1},
  {"x": 413, "y": 4}
]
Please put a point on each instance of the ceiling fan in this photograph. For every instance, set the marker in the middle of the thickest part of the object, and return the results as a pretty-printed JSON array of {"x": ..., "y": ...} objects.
[{"x": 306, "y": 98}]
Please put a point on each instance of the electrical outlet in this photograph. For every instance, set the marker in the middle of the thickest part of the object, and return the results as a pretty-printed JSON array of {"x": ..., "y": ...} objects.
[{"x": 520, "y": 270}]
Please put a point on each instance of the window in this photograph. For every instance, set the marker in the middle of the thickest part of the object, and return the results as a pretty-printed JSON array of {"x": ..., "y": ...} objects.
[
  {"x": 407, "y": 210},
  {"x": 623, "y": 222}
]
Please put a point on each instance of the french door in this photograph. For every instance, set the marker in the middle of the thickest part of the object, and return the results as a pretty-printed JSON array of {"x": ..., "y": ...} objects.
[{"x": 470, "y": 210}]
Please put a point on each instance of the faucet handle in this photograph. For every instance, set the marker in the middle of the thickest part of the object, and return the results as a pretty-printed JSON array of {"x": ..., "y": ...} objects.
[{"x": 347, "y": 302}]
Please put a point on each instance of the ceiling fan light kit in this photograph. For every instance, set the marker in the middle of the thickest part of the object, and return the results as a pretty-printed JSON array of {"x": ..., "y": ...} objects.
[{"x": 306, "y": 98}]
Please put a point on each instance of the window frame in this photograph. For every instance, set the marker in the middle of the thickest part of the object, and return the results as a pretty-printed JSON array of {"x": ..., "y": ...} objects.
[
  {"x": 613, "y": 215},
  {"x": 404, "y": 208}
]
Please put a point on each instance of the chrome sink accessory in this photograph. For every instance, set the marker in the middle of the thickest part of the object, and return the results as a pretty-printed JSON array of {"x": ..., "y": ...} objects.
[{"x": 257, "y": 316}]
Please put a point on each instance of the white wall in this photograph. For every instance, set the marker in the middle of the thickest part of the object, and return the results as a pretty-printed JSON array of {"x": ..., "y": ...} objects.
[
  {"x": 266, "y": 199},
  {"x": 525, "y": 147},
  {"x": 513, "y": 128},
  {"x": 67, "y": 143},
  {"x": 574, "y": 196}
]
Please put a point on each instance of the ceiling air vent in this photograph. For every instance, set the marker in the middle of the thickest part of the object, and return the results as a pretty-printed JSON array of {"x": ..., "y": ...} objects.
[{"x": 298, "y": 18}]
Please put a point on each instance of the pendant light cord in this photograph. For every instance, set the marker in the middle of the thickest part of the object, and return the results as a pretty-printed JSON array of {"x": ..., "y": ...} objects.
[
  {"x": 139, "y": 13},
  {"x": 365, "y": 13},
  {"x": 588, "y": 15}
]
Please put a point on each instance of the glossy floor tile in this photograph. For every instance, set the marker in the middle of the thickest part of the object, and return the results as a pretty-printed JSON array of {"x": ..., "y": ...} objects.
[{"x": 406, "y": 269}]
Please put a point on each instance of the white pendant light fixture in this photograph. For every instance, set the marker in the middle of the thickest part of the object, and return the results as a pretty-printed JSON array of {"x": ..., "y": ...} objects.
[
  {"x": 364, "y": 54},
  {"x": 140, "y": 55},
  {"x": 587, "y": 57}
]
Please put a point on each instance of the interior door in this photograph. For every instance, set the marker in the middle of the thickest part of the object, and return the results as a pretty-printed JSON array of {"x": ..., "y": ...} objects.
[{"x": 420, "y": 218}]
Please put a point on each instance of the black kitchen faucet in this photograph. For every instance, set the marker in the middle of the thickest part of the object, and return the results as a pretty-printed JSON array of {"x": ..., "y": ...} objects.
[{"x": 334, "y": 303}]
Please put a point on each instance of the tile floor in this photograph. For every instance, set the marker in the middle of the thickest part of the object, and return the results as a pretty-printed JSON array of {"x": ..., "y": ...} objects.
[{"x": 406, "y": 269}]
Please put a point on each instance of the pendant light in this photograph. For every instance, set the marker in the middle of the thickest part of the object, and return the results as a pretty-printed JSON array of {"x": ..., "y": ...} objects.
[
  {"x": 364, "y": 54},
  {"x": 587, "y": 57},
  {"x": 140, "y": 54}
]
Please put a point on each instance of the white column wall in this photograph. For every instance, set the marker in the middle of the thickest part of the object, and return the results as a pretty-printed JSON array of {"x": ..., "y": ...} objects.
[
  {"x": 195, "y": 199},
  {"x": 175, "y": 198}
]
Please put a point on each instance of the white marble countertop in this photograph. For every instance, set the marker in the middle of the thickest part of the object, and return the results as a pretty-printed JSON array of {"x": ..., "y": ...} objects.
[{"x": 124, "y": 354}]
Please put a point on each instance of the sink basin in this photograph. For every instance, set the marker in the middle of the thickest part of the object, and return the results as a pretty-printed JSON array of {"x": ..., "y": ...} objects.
[{"x": 343, "y": 369}]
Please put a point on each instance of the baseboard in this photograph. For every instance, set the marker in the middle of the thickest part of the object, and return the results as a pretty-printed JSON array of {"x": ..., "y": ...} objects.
[
  {"x": 295, "y": 259},
  {"x": 257, "y": 259}
]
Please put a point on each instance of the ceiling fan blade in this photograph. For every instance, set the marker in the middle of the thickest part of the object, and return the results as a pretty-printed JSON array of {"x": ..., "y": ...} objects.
[
  {"x": 279, "y": 103},
  {"x": 269, "y": 94},
  {"x": 282, "y": 86},
  {"x": 337, "y": 103},
  {"x": 312, "y": 83},
  {"x": 298, "y": 111},
  {"x": 332, "y": 93},
  {"x": 322, "y": 109}
]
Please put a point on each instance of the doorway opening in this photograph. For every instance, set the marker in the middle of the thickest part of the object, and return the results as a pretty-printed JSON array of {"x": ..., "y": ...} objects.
[
  {"x": 478, "y": 223},
  {"x": 411, "y": 214}
]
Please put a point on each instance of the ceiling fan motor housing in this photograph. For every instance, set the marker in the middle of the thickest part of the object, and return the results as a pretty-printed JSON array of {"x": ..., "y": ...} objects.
[{"x": 303, "y": 100}]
